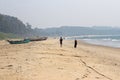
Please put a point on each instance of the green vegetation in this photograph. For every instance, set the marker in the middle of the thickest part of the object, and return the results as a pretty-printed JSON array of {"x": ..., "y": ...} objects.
[
  {"x": 7, "y": 35},
  {"x": 9, "y": 24}
]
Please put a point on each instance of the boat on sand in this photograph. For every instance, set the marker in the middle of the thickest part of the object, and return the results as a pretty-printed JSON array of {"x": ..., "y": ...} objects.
[
  {"x": 19, "y": 41},
  {"x": 38, "y": 39}
]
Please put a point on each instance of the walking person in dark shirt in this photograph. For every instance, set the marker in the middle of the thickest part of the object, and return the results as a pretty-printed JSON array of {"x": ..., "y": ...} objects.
[
  {"x": 75, "y": 43},
  {"x": 61, "y": 40}
]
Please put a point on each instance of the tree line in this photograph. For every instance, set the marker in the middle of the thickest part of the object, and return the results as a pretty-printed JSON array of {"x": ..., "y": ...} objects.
[{"x": 10, "y": 24}]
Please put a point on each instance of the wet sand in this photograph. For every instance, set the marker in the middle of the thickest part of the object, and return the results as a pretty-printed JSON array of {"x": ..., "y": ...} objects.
[{"x": 46, "y": 60}]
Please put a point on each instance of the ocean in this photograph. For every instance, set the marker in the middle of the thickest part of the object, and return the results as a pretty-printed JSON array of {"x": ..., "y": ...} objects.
[{"x": 104, "y": 40}]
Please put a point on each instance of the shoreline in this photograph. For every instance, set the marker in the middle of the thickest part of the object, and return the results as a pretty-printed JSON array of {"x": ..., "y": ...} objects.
[
  {"x": 97, "y": 40},
  {"x": 94, "y": 45},
  {"x": 97, "y": 45}
]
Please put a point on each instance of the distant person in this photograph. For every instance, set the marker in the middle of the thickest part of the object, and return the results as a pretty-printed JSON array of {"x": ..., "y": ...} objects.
[
  {"x": 75, "y": 43},
  {"x": 61, "y": 40}
]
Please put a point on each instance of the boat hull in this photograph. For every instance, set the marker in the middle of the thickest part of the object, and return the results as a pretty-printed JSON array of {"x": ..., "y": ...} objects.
[
  {"x": 39, "y": 39},
  {"x": 19, "y": 42}
]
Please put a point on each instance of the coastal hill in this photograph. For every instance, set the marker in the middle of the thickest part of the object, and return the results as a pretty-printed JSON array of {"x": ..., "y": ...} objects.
[{"x": 12, "y": 25}]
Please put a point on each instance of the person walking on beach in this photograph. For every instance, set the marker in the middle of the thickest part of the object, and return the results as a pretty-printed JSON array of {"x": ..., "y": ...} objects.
[
  {"x": 61, "y": 40},
  {"x": 75, "y": 43}
]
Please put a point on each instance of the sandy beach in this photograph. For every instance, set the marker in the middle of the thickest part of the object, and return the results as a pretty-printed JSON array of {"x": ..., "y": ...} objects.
[{"x": 46, "y": 60}]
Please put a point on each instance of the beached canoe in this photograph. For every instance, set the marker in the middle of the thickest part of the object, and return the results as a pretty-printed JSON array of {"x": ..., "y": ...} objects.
[
  {"x": 19, "y": 41},
  {"x": 38, "y": 39}
]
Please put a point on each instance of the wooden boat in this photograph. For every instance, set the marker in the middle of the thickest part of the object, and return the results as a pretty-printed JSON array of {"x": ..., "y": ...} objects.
[
  {"x": 38, "y": 39},
  {"x": 19, "y": 41}
]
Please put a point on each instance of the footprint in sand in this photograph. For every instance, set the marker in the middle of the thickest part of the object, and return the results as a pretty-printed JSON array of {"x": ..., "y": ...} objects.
[
  {"x": 2, "y": 68},
  {"x": 9, "y": 65},
  {"x": 97, "y": 77},
  {"x": 77, "y": 79},
  {"x": 86, "y": 74},
  {"x": 60, "y": 68},
  {"x": 76, "y": 56},
  {"x": 61, "y": 54}
]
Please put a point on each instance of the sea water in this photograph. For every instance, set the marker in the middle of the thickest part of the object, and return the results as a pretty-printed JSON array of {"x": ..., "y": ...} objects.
[{"x": 105, "y": 40}]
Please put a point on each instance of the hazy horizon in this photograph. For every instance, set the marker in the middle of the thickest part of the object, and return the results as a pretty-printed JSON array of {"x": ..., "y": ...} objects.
[{"x": 54, "y": 13}]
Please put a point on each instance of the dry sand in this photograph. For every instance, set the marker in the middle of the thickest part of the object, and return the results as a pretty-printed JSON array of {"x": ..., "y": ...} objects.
[{"x": 46, "y": 60}]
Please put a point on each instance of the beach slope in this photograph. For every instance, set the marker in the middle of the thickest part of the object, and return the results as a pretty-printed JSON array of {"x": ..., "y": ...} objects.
[{"x": 46, "y": 60}]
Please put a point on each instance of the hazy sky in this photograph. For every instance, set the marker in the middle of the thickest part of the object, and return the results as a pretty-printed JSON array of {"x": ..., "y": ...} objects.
[{"x": 55, "y": 13}]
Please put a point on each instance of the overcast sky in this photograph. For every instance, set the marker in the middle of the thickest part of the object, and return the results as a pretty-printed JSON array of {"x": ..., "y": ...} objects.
[{"x": 55, "y": 13}]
